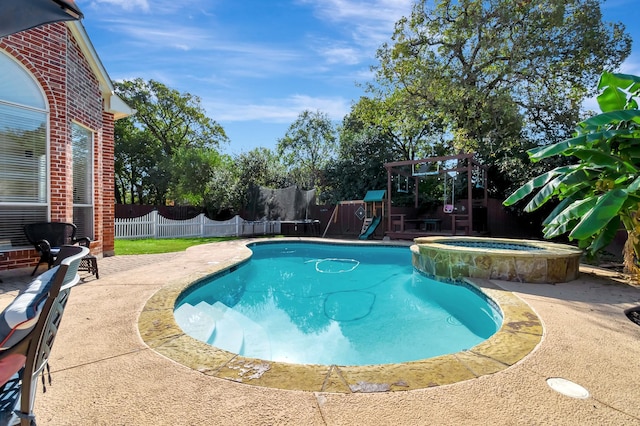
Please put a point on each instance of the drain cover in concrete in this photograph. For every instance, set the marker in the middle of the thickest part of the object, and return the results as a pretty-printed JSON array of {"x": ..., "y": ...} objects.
[{"x": 567, "y": 387}]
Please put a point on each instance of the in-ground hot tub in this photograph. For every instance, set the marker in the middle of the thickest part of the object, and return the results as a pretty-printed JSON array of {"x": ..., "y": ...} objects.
[{"x": 496, "y": 258}]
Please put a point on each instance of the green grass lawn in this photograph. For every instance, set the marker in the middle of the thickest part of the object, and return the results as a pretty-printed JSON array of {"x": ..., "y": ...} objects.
[{"x": 164, "y": 245}]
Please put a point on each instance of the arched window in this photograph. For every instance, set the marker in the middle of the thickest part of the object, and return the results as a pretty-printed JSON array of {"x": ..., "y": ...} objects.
[{"x": 24, "y": 194}]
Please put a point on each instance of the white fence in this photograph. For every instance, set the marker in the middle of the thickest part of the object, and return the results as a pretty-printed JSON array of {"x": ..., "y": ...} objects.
[{"x": 153, "y": 225}]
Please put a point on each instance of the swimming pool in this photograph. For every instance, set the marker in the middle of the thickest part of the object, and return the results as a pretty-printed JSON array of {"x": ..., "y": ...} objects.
[{"x": 307, "y": 303}]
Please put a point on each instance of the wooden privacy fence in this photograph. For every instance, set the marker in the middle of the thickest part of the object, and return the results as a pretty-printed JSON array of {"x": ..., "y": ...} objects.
[{"x": 154, "y": 225}]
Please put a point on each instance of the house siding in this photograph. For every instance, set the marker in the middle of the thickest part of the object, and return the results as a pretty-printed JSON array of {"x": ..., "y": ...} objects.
[{"x": 73, "y": 93}]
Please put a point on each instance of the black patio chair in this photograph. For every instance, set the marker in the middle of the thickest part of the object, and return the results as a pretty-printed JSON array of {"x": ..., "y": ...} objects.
[
  {"x": 28, "y": 327},
  {"x": 48, "y": 237}
]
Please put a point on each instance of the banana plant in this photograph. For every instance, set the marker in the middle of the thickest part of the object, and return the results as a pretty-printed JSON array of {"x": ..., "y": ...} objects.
[{"x": 602, "y": 189}]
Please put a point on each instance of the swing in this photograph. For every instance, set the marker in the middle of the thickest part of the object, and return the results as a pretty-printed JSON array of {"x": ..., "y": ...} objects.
[
  {"x": 403, "y": 188},
  {"x": 448, "y": 208}
]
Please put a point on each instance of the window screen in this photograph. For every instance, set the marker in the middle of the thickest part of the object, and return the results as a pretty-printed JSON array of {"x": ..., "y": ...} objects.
[
  {"x": 23, "y": 154},
  {"x": 81, "y": 146}
]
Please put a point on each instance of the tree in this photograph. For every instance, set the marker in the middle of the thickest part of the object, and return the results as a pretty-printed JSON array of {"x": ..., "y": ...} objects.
[
  {"x": 166, "y": 124},
  {"x": 307, "y": 147},
  {"x": 135, "y": 155},
  {"x": 500, "y": 73},
  {"x": 261, "y": 167},
  {"x": 257, "y": 168},
  {"x": 224, "y": 195},
  {"x": 602, "y": 189},
  {"x": 401, "y": 122},
  {"x": 360, "y": 164},
  {"x": 197, "y": 168}
]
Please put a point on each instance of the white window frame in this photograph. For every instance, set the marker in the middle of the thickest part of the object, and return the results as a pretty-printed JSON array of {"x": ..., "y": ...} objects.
[
  {"x": 13, "y": 237},
  {"x": 89, "y": 228}
]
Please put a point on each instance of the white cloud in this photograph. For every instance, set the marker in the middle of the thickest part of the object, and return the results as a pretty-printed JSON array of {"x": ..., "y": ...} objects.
[
  {"x": 210, "y": 46},
  {"x": 370, "y": 22},
  {"x": 385, "y": 12},
  {"x": 154, "y": 7},
  {"x": 128, "y": 5},
  {"x": 279, "y": 110},
  {"x": 341, "y": 55},
  {"x": 630, "y": 67},
  {"x": 156, "y": 33}
]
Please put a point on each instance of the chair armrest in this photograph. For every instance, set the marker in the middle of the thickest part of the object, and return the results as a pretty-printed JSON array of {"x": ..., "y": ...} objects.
[
  {"x": 43, "y": 246},
  {"x": 83, "y": 241}
]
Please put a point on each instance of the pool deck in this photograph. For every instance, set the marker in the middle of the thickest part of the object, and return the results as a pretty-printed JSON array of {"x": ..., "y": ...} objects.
[{"x": 103, "y": 372}]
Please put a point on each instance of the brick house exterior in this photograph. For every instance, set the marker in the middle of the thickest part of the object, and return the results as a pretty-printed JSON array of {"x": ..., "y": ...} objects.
[{"x": 61, "y": 60}]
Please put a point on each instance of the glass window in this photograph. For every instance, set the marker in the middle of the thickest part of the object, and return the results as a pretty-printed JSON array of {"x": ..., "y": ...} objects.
[
  {"x": 23, "y": 153},
  {"x": 17, "y": 86},
  {"x": 82, "y": 149}
]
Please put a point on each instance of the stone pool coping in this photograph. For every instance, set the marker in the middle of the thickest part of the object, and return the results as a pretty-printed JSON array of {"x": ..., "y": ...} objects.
[
  {"x": 546, "y": 262},
  {"x": 550, "y": 249},
  {"x": 519, "y": 335}
]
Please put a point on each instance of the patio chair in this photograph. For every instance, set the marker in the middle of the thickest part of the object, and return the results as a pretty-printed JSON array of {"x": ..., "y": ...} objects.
[
  {"x": 28, "y": 328},
  {"x": 48, "y": 237}
]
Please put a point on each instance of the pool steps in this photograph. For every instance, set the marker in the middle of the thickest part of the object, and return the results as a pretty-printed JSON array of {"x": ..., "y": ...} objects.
[
  {"x": 225, "y": 328},
  {"x": 200, "y": 324}
]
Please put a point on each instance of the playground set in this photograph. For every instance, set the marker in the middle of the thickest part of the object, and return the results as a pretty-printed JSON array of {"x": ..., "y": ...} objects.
[{"x": 458, "y": 208}]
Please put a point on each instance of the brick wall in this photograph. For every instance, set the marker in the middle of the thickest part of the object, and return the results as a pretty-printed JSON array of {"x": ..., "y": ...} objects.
[
  {"x": 108, "y": 200},
  {"x": 73, "y": 94}
]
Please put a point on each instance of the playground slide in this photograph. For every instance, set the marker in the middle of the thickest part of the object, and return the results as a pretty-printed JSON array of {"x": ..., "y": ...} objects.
[{"x": 371, "y": 229}]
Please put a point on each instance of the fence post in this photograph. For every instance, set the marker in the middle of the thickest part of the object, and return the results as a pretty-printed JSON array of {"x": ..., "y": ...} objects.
[
  {"x": 237, "y": 219},
  {"x": 201, "y": 216},
  {"x": 154, "y": 223}
]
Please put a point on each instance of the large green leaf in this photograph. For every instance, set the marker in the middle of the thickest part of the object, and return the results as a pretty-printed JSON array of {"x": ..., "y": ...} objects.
[
  {"x": 599, "y": 159},
  {"x": 613, "y": 88},
  {"x": 611, "y": 117},
  {"x": 545, "y": 193},
  {"x": 611, "y": 99},
  {"x": 567, "y": 218},
  {"x": 584, "y": 244},
  {"x": 574, "y": 209},
  {"x": 539, "y": 153},
  {"x": 606, "y": 208},
  {"x": 630, "y": 148},
  {"x": 568, "y": 176},
  {"x": 556, "y": 211},
  {"x": 629, "y": 82},
  {"x": 633, "y": 186},
  {"x": 528, "y": 187},
  {"x": 607, "y": 235},
  {"x": 572, "y": 186},
  {"x": 579, "y": 176}
]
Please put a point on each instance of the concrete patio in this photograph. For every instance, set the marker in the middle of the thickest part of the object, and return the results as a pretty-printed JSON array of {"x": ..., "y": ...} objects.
[{"x": 104, "y": 374}]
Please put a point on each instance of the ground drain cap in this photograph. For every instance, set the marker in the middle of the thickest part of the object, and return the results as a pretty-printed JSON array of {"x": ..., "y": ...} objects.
[{"x": 567, "y": 388}]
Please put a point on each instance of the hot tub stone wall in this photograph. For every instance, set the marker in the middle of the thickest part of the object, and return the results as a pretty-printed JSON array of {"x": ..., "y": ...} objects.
[{"x": 551, "y": 264}]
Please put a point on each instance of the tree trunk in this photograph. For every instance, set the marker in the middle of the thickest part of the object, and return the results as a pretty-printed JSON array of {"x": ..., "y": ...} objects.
[
  {"x": 631, "y": 258},
  {"x": 117, "y": 192}
]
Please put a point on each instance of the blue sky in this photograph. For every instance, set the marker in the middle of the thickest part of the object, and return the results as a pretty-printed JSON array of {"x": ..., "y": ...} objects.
[{"x": 257, "y": 64}]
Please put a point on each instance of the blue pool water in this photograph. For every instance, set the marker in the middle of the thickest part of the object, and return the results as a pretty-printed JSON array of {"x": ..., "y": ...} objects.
[{"x": 309, "y": 303}]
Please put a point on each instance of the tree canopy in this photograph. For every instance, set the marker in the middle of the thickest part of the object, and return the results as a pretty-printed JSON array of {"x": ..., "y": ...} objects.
[
  {"x": 168, "y": 148},
  {"x": 307, "y": 147},
  {"x": 500, "y": 74},
  {"x": 400, "y": 121}
]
